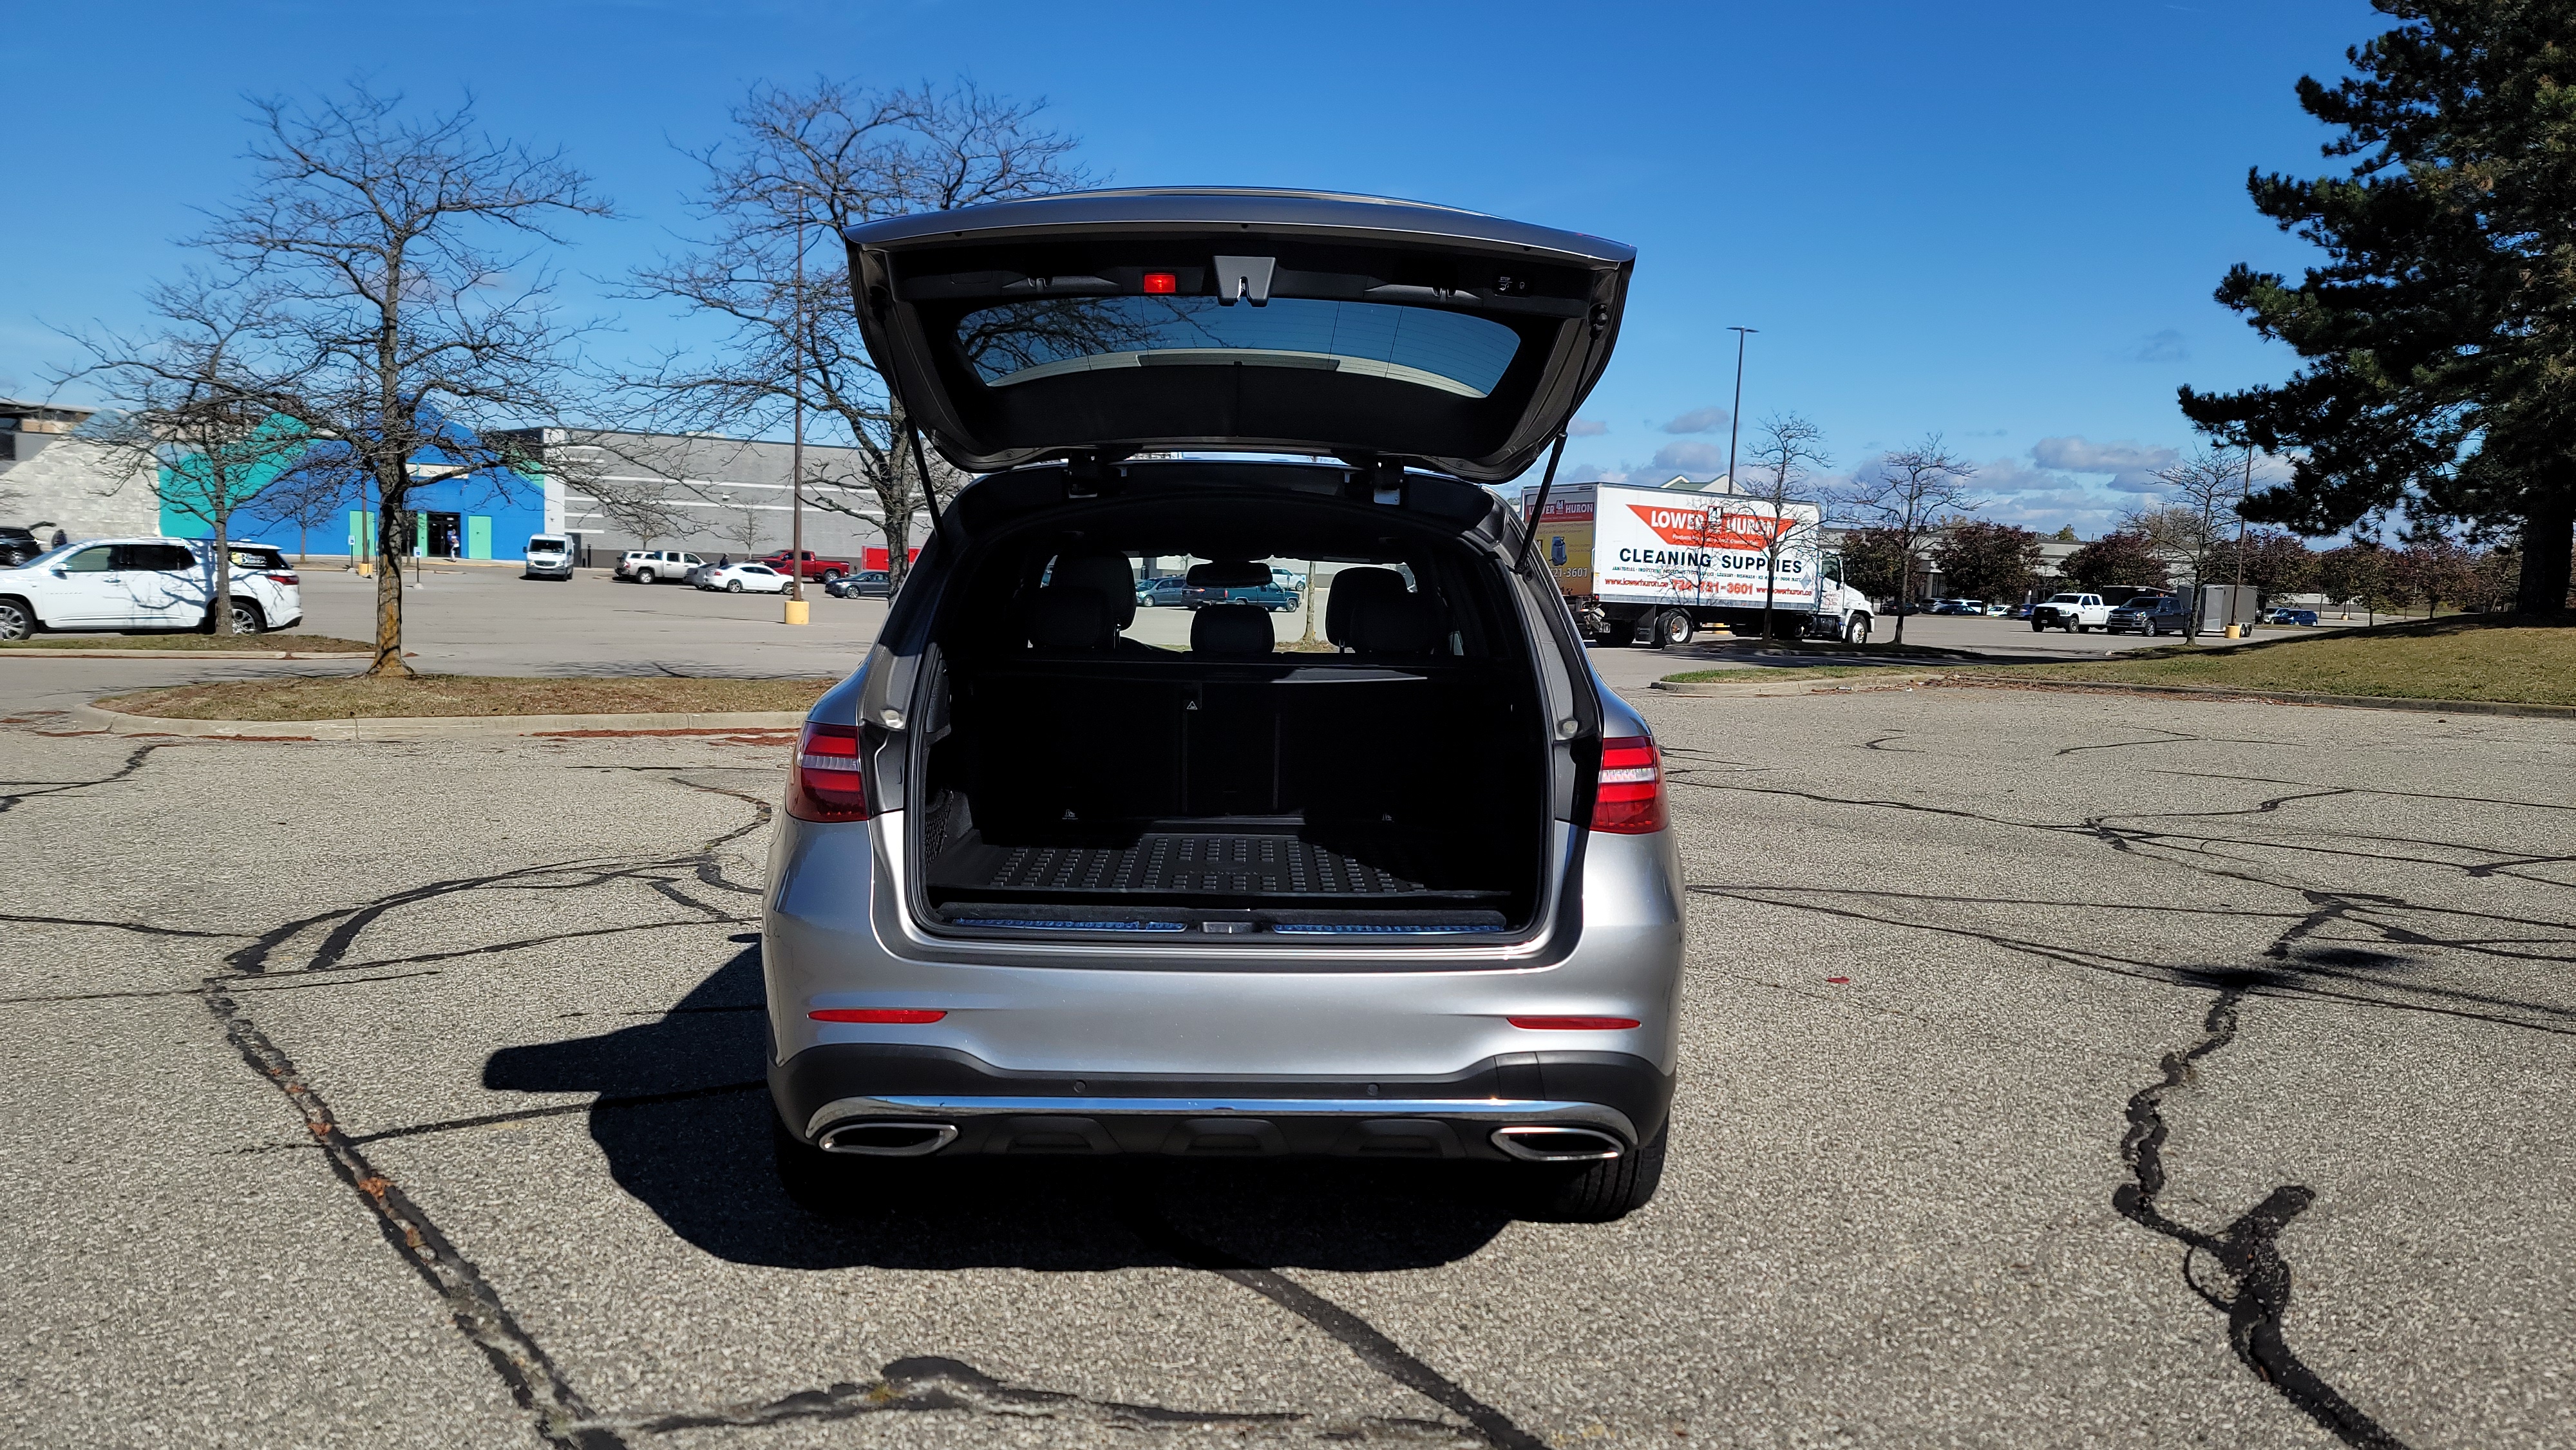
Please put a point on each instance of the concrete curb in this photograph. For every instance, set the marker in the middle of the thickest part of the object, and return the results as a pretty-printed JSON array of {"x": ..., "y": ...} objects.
[
  {"x": 428, "y": 727},
  {"x": 177, "y": 654},
  {"x": 1762, "y": 689},
  {"x": 2283, "y": 697}
]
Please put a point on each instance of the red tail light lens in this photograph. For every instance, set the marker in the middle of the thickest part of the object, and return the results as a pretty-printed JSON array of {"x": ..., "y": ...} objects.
[
  {"x": 829, "y": 781},
  {"x": 1572, "y": 1024},
  {"x": 1630, "y": 796},
  {"x": 901, "y": 1016},
  {"x": 283, "y": 579},
  {"x": 1162, "y": 284}
]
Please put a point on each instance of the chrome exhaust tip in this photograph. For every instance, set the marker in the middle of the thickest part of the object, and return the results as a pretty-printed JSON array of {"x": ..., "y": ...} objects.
[
  {"x": 879, "y": 1138},
  {"x": 1556, "y": 1143}
]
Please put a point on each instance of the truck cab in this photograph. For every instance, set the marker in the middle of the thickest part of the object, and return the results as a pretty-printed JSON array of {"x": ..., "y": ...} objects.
[{"x": 2073, "y": 611}]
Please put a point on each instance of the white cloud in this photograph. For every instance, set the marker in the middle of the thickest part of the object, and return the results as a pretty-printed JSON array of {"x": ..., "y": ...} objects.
[
  {"x": 2082, "y": 455},
  {"x": 1586, "y": 428},
  {"x": 1711, "y": 419},
  {"x": 1691, "y": 458},
  {"x": 1593, "y": 473}
]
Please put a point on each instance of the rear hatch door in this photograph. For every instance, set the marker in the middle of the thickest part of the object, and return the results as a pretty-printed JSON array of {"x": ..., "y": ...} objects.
[{"x": 1114, "y": 322}]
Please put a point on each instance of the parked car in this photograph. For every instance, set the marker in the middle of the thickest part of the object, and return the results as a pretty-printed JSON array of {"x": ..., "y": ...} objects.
[
  {"x": 548, "y": 556},
  {"x": 1163, "y": 592},
  {"x": 750, "y": 578},
  {"x": 816, "y": 566},
  {"x": 1959, "y": 606},
  {"x": 2000, "y": 611},
  {"x": 18, "y": 545},
  {"x": 2018, "y": 611},
  {"x": 2150, "y": 615},
  {"x": 1041, "y": 888},
  {"x": 865, "y": 584},
  {"x": 1236, "y": 583},
  {"x": 651, "y": 566},
  {"x": 2073, "y": 611},
  {"x": 146, "y": 585},
  {"x": 2290, "y": 616}
]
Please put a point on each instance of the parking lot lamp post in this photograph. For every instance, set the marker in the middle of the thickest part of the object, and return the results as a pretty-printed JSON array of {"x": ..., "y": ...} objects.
[
  {"x": 796, "y": 450},
  {"x": 1735, "y": 415}
]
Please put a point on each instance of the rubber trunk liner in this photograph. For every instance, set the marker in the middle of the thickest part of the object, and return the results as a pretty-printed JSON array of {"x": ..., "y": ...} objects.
[{"x": 1173, "y": 865}]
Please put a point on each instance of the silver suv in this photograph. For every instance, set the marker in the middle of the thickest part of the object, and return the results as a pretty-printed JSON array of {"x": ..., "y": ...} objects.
[{"x": 1045, "y": 885}]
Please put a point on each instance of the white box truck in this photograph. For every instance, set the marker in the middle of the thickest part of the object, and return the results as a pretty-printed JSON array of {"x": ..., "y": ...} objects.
[{"x": 1656, "y": 565}]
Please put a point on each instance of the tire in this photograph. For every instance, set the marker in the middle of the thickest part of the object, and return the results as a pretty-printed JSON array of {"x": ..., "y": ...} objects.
[
  {"x": 2036, "y": 626},
  {"x": 643, "y": 576},
  {"x": 1856, "y": 629},
  {"x": 17, "y": 621},
  {"x": 831, "y": 577},
  {"x": 733, "y": 586},
  {"x": 1673, "y": 629},
  {"x": 1600, "y": 1192},
  {"x": 247, "y": 619}
]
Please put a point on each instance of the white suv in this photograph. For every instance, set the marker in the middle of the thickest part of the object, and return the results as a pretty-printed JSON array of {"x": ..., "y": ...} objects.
[
  {"x": 135, "y": 585},
  {"x": 649, "y": 566}
]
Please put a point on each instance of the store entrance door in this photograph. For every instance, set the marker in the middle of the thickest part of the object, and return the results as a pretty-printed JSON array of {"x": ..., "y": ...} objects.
[{"x": 443, "y": 535}]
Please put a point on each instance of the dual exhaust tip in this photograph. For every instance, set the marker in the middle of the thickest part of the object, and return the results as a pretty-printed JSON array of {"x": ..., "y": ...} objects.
[{"x": 1529, "y": 1142}]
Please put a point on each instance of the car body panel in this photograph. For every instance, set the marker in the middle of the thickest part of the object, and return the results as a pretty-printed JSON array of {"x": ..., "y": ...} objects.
[
  {"x": 121, "y": 596},
  {"x": 1022, "y": 330}
]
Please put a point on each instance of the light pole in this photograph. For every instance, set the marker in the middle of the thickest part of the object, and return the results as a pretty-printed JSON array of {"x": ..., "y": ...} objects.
[
  {"x": 1735, "y": 415},
  {"x": 797, "y": 611}
]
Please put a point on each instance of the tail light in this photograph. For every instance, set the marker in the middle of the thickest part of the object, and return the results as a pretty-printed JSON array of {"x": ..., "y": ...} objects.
[
  {"x": 283, "y": 579},
  {"x": 1630, "y": 796},
  {"x": 830, "y": 778}
]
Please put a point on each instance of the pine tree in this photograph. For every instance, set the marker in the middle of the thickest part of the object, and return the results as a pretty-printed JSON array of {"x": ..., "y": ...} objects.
[{"x": 2440, "y": 335}]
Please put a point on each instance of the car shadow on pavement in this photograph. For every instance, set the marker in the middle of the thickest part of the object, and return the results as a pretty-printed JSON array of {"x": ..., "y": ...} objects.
[{"x": 684, "y": 1123}]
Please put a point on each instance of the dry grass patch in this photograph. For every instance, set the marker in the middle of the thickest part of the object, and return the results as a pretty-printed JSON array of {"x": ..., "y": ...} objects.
[
  {"x": 302, "y": 644},
  {"x": 2508, "y": 658},
  {"x": 371, "y": 698}
]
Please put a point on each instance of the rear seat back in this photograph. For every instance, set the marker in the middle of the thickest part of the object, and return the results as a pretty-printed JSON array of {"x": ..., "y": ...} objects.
[
  {"x": 1400, "y": 624},
  {"x": 1352, "y": 590},
  {"x": 1232, "y": 632},
  {"x": 1067, "y": 617}
]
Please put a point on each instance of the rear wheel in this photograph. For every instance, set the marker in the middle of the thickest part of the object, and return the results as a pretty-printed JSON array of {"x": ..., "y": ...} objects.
[
  {"x": 16, "y": 620},
  {"x": 247, "y": 618},
  {"x": 643, "y": 576},
  {"x": 733, "y": 586},
  {"x": 1673, "y": 629},
  {"x": 1601, "y": 1192},
  {"x": 831, "y": 577}
]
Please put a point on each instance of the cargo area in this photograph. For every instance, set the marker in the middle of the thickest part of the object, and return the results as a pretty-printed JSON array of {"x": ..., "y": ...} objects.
[{"x": 1394, "y": 785}]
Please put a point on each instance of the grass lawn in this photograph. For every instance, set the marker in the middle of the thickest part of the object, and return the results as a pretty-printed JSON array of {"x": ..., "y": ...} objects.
[
  {"x": 302, "y": 644},
  {"x": 2515, "y": 658},
  {"x": 369, "y": 698}
]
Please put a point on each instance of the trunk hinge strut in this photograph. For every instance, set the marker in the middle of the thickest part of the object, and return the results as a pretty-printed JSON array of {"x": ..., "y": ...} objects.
[{"x": 1529, "y": 526}]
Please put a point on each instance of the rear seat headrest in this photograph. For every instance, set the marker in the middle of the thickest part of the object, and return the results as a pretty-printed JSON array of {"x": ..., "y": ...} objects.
[
  {"x": 1231, "y": 631},
  {"x": 1351, "y": 590},
  {"x": 1108, "y": 575},
  {"x": 1064, "y": 616},
  {"x": 1403, "y": 624}
]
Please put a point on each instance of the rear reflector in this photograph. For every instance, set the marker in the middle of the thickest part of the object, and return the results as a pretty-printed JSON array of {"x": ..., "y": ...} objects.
[
  {"x": 1573, "y": 1024},
  {"x": 902, "y": 1016},
  {"x": 829, "y": 779},
  {"x": 1162, "y": 284},
  {"x": 1017, "y": 924},
  {"x": 1630, "y": 796}
]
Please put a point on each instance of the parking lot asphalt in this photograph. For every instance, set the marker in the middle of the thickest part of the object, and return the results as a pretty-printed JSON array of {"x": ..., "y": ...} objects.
[{"x": 2055, "y": 1071}]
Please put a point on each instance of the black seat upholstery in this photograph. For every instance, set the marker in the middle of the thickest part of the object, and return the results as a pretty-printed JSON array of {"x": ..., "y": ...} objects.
[
  {"x": 1064, "y": 617},
  {"x": 1400, "y": 624},
  {"x": 1232, "y": 632},
  {"x": 1351, "y": 591},
  {"x": 1108, "y": 575}
]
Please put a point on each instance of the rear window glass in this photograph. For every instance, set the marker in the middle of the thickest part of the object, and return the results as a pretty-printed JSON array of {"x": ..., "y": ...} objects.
[{"x": 1448, "y": 351}]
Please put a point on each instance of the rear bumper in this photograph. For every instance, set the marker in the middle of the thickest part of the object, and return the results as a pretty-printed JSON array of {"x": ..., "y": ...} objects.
[{"x": 992, "y": 1110}]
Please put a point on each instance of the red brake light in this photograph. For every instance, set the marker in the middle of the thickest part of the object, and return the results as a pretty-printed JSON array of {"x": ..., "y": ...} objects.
[
  {"x": 907, "y": 1016},
  {"x": 1162, "y": 284},
  {"x": 282, "y": 579},
  {"x": 829, "y": 780},
  {"x": 1629, "y": 798},
  {"x": 1573, "y": 1024}
]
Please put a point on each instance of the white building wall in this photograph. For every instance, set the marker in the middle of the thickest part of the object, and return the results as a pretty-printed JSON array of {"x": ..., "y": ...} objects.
[{"x": 82, "y": 489}]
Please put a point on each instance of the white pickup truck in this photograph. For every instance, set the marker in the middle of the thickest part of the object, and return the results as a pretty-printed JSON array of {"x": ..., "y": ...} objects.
[{"x": 2073, "y": 612}]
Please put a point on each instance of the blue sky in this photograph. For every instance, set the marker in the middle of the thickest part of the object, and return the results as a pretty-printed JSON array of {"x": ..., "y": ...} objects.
[{"x": 2000, "y": 222}]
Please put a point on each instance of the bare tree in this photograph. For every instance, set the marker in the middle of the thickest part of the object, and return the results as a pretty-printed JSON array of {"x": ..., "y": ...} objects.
[
  {"x": 308, "y": 496},
  {"x": 197, "y": 414},
  {"x": 402, "y": 330},
  {"x": 1911, "y": 495},
  {"x": 1786, "y": 450},
  {"x": 742, "y": 526},
  {"x": 2207, "y": 489},
  {"x": 802, "y": 166}
]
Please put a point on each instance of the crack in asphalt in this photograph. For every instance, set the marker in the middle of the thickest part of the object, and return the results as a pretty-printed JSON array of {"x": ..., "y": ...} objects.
[
  {"x": 133, "y": 762},
  {"x": 1360, "y": 1337},
  {"x": 2247, "y": 1251}
]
